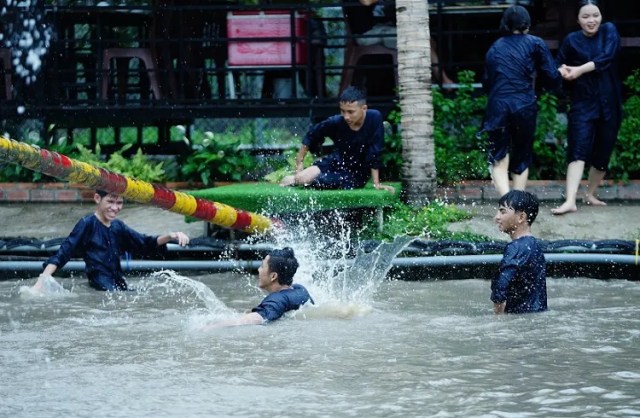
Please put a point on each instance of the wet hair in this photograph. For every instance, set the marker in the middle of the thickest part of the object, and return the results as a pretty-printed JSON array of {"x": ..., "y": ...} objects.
[
  {"x": 104, "y": 193},
  {"x": 582, "y": 3},
  {"x": 284, "y": 263},
  {"x": 353, "y": 94},
  {"x": 515, "y": 18},
  {"x": 521, "y": 201}
]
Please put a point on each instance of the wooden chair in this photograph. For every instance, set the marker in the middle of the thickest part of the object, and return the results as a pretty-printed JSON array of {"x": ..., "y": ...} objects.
[
  {"x": 143, "y": 54},
  {"x": 354, "y": 52},
  {"x": 5, "y": 57}
]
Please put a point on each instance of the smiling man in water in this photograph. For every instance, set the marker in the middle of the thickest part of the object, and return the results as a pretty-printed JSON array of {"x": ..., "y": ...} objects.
[
  {"x": 358, "y": 136},
  {"x": 102, "y": 239}
]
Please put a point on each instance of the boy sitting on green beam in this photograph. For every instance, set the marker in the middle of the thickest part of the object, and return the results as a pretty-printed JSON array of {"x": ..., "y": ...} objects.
[{"x": 358, "y": 135}]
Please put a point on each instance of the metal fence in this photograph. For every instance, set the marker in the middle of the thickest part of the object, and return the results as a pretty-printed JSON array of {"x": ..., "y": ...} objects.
[{"x": 72, "y": 69}]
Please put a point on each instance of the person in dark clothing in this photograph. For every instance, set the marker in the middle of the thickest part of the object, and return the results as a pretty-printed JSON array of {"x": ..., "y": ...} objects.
[
  {"x": 521, "y": 285},
  {"x": 102, "y": 240},
  {"x": 589, "y": 64},
  {"x": 511, "y": 65},
  {"x": 275, "y": 276},
  {"x": 358, "y": 136}
]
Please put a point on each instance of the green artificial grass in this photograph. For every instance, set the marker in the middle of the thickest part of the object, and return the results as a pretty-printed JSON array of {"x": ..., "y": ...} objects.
[{"x": 271, "y": 199}]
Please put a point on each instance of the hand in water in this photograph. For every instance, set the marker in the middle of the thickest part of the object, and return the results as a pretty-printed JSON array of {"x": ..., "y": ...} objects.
[
  {"x": 40, "y": 284},
  {"x": 47, "y": 284}
]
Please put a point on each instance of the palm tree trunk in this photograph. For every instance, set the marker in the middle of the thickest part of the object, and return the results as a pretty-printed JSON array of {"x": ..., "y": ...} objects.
[{"x": 414, "y": 72}]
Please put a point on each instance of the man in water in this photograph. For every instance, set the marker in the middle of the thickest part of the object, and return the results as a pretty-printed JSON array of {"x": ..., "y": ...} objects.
[
  {"x": 275, "y": 276},
  {"x": 102, "y": 240},
  {"x": 358, "y": 136},
  {"x": 521, "y": 285}
]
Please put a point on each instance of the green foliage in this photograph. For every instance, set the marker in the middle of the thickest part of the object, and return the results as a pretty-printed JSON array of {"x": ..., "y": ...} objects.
[
  {"x": 550, "y": 137},
  {"x": 17, "y": 173},
  {"x": 288, "y": 167},
  {"x": 625, "y": 161},
  {"x": 459, "y": 154},
  {"x": 137, "y": 166},
  {"x": 392, "y": 156},
  {"x": 430, "y": 222},
  {"x": 219, "y": 157}
]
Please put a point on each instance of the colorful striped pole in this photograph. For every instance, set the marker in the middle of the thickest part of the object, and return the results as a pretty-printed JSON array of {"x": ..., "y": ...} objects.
[{"x": 65, "y": 168}]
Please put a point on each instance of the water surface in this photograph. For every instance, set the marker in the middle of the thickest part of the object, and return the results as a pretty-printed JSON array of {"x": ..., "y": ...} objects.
[{"x": 407, "y": 349}]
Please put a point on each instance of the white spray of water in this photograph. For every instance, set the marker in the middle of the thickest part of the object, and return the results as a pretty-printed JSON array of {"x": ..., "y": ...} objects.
[
  {"x": 179, "y": 283},
  {"x": 45, "y": 287},
  {"x": 27, "y": 35},
  {"x": 341, "y": 277}
]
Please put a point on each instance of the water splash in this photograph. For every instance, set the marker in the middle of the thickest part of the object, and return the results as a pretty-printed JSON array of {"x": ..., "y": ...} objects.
[
  {"x": 341, "y": 275},
  {"x": 178, "y": 284},
  {"x": 27, "y": 34},
  {"x": 45, "y": 287},
  {"x": 360, "y": 280}
]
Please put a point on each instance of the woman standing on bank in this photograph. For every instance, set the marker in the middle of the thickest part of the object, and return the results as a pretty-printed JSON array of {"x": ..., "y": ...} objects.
[{"x": 588, "y": 59}]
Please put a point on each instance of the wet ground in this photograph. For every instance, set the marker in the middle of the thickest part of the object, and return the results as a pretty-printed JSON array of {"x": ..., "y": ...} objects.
[
  {"x": 615, "y": 221},
  {"x": 55, "y": 220},
  {"x": 47, "y": 220}
]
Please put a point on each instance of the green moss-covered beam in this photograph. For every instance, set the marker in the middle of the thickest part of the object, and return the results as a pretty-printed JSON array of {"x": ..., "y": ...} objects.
[{"x": 271, "y": 199}]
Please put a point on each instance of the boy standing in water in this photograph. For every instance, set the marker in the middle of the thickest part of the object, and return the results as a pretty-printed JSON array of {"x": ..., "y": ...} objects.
[
  {"x": 521, "y": 284},
  {"x": 102, "y": 240}
]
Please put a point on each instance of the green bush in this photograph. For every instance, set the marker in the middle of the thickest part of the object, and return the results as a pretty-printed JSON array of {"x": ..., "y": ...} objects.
[
  {"x": 392, "y": 156},
  {"x": 138, "y": 166},
  {"x": 10, "y": 172},
  {"x": 625, "y": 161},
  {"x": 219, "y": 157},
  {"x": 460, "y": 154},
  {"x": 549, "y": 155},
  {"x": 429, "y": 221}
]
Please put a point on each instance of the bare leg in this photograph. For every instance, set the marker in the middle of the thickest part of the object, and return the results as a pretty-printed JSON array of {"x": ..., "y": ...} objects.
[
  {"x": 435, "y": 64},
  {"x": 306, "y": 176},
  {"x": 288, "y": 181},
  {"x": 500, "y": 175},
  {"x": 520, "y": 180},
  {"x": 574, "y": 175},
  {"x": 595, "y": 178}
]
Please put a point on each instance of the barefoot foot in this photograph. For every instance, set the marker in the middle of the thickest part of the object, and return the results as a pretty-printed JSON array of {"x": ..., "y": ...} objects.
[
  {"x": 288, "y": 181},
  {"x": 594, "y": 201},
  {"x": 566, "y": 207}
]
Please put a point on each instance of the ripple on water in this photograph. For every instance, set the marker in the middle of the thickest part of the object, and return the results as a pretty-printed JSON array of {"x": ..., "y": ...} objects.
[
  {"x": 627, "y": 376},
  {"x": 413, "y": 349}
]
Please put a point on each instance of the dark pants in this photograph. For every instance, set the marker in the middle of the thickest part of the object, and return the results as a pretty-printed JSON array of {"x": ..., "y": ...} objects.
[
  {"x": 108, "y": 283},
  {"x": 515, "y": 139},
  {"x": 592, "y": 139}
]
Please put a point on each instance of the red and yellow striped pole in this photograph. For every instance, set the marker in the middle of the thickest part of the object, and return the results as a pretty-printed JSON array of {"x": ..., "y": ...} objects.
[{"x": 65, "y": 168}]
